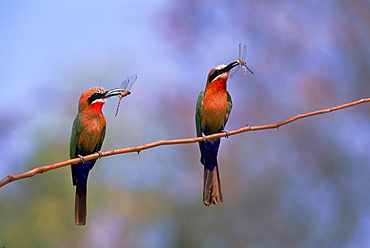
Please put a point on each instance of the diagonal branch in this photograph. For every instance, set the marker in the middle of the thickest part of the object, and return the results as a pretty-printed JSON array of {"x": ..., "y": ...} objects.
[{"x": 138, "y": 149}]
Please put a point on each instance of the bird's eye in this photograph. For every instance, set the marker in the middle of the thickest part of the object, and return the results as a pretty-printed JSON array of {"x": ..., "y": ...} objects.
[
  {"x": 94, "y": 96},
  {"x": 214, "y": 75}
]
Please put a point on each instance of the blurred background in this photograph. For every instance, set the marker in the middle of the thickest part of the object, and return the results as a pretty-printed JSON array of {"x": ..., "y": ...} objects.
[{"x": 304, "y": 185}]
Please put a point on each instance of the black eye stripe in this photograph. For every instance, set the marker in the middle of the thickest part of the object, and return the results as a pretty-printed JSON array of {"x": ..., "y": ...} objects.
[
  {"x": 95, "y": 96},
  {"x": 216, "y": 73}
]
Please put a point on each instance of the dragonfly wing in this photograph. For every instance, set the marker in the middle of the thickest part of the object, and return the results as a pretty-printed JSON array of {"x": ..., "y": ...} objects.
[
  {"x": 243, "y": 55},
  {"x": 124, "y": 84},
  {"x": 131, "y": 82}
]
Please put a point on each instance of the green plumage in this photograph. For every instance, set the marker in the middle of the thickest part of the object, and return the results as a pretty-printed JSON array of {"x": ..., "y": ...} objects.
[
  {"x": 198, "y": 114},
  {"x": 74, "y": 137}
]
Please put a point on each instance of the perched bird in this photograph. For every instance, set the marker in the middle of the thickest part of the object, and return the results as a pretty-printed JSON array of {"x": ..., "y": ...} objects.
[
  {"x": 212, "y": 112},
  {"x": 87, "y": 137}
]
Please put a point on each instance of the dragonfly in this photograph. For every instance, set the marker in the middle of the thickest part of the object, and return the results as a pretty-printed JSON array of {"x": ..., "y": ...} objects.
[
  {"x": 241, "y": 61},
  {"x": 126, "y": 85}
]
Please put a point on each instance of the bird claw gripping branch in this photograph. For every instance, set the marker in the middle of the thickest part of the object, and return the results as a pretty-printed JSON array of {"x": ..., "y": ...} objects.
[
  {"x": 82, "y": 158},
  {"x": 87, "y": 137},
  {"x": 100, "y": 154},
  {"x": 212, "y": 112},
  {"x": 227, "y": 133}
]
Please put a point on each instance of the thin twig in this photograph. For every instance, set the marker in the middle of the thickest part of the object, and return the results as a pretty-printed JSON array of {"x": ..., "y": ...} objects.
[{"x": 138, "y": 149}]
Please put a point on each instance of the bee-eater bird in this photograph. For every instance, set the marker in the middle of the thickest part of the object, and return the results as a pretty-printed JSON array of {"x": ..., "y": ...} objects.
[
  {"x": 212, "y": 112},
  {"x": 87, "y": 137}
]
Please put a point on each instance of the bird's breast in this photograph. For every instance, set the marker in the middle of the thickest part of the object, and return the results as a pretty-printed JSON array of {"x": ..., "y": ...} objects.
[
  {"x": 214, "y": 110},
  {"x": 91, "y": 132}
]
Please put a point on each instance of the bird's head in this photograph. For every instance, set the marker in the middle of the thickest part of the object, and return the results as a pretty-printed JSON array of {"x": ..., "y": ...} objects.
[
  {"x": 219, "y": 75},
  {"x": 94, "y": 98},
  {"x": 221, "y": 72}
]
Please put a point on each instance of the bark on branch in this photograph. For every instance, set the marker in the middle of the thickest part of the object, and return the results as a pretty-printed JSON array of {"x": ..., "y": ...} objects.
[{"x": 138, "y": 149}]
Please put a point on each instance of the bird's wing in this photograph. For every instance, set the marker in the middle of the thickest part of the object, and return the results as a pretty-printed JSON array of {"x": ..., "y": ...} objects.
[
  {"x": 229, "y": 107},
  {"x": 74, "y": 137},
  {"x": 73, "y": 145},
  {"x": 198, "y": 113}
]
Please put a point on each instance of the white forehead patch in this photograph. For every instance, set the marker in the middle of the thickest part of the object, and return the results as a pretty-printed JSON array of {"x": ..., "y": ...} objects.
[
  {"x": 219, "y": 67},
  {"x": 99, "y": 89},
  {"x": 224, "y": 75}
]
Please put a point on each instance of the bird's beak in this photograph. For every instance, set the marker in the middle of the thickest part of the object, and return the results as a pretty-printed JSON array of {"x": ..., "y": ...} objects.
[
  {"x": 113, "y": 92},
  {"x": 231, "y": 65},
  {"x": 238, "y": 62}
]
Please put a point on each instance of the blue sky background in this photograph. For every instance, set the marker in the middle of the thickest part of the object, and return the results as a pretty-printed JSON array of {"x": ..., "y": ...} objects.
[{"x": 304, "y": 185}]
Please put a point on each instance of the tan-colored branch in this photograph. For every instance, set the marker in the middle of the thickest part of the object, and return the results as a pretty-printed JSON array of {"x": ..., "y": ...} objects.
[{"x": 42, "y": 169}]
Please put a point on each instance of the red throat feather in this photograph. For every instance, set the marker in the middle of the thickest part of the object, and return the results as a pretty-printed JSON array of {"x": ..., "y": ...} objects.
[
  {"x": 97, "y": 106},
  {"x": 218, "y": 84}
]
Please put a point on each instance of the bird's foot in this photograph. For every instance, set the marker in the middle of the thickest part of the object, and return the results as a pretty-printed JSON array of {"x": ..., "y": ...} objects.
[
  {"x": 82, "y": 158},
  {"x": 204, "y": 137},
  {"x": 100, "y": 154},
  {"x": 226, "y": 132}
]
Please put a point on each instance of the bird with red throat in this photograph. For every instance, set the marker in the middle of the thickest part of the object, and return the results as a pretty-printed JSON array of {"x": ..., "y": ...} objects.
[
  {"x": 87, "y": 137},
  {"x": 212, "y": 112}
]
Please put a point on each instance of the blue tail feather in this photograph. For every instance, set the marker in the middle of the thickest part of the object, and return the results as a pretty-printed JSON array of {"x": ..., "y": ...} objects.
[
  {"x": 209, "y": 151},
  {"x": 81, "y": 171}
]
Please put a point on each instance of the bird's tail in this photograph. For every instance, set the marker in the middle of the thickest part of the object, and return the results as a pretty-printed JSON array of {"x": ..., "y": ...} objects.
[
  {"x": 212, "y": 188},
  {"x": 80, "y": 205}
]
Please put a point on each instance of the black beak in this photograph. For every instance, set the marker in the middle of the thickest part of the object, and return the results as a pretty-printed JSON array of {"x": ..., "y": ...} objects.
[
  {"x": 113, "y": 92},
  {"x": 231, "y": 66},
  {"x": 235, "y": 63}
]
